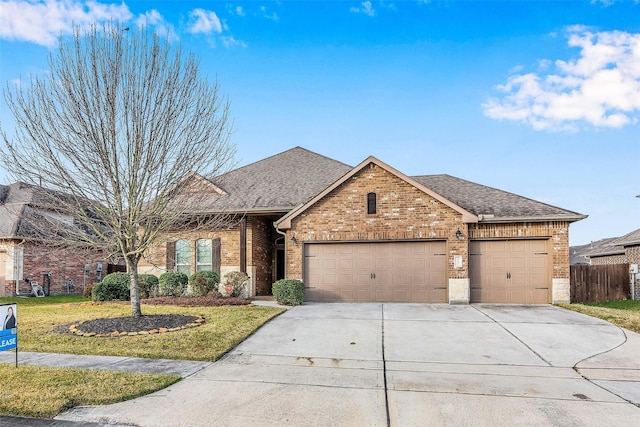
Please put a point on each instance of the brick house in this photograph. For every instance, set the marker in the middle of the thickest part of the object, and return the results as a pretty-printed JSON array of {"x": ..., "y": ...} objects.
[
  {"x": 22, "y": 256},
  {"x": 617, "y": 250},
  {"x": 371, "y": 233}
]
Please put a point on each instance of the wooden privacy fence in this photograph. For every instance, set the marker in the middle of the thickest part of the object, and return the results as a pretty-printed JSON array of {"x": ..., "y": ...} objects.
[{"x": 596, "y": 283}]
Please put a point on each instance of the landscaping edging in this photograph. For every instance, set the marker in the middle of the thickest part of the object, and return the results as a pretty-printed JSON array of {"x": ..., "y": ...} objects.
[{"x": 195, "y": 321}]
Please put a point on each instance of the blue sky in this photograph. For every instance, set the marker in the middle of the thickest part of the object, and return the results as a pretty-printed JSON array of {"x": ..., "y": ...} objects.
[{"x": 538, "y": 98}]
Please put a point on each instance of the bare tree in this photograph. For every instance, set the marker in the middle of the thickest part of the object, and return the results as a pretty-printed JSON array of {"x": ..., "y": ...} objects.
[{"x": 124, "y": 125}]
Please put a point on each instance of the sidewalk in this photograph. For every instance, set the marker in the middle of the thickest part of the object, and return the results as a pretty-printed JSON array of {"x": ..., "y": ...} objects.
[{"x": 184, "y": 368}]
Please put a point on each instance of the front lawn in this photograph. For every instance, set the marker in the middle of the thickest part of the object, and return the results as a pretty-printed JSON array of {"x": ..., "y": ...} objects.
[
  {"x": 43, "y": 327},
  {"x": 624, "y": 313},
  {"x": 37, "y": 391}
]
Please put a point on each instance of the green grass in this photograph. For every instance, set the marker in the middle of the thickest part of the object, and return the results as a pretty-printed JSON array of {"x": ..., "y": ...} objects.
[
  {"x": 40, "y": 318},
  {"x": 35, "y": 391},
  {"x": 54, "y": 390},
  {"x": 623, "y": 313}
]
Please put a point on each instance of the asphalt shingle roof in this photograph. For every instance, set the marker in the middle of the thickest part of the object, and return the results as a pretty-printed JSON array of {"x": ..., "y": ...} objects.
[
  {"x": 20, "y": 201},
  {"x": 280, "y": 182},
  {"x": 486, "y": 201},
  {"x": 286, "y": 180},
  {"x": 14, "y": 200},
  {"x": 603, "y": 247},
  {"x": 630, "y": 239}
]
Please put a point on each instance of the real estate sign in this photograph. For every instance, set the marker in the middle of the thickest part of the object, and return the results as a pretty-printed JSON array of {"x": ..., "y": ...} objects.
[{"x": 8, "y": 326}]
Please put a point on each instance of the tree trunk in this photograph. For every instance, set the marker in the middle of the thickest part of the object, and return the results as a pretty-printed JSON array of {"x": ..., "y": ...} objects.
[{"x": 134, "y": 293}]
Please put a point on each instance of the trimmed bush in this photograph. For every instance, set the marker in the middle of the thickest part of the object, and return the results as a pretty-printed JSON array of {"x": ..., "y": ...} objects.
[
  {"x": 172, "y": 283},
  {"x": 237, "y": 280},
  {"x": 288, "y": 291},
  {"x": 148, "y": 286},
  {"x": 114, "y": 286},
  {"x": 203, "y": 282}
]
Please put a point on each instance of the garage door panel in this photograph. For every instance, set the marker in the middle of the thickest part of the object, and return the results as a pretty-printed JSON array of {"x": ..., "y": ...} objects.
[
  {"x": 538, "y": 262},
  {"x": 345, "y": 263},
  {"x": 401, "y": 295},
  {"x": 380, "y": 272},
  {"x": 329, "y": 263},
  {"x": 510, "y": 271},
  {"x": 540, "y": 296},
  {"x": 538, "y": 245}
]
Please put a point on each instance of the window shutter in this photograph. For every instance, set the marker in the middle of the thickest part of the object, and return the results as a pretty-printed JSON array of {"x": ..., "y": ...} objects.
[
  {"x": 171, "y": 256},
  {"x": 215, "y": 255}
]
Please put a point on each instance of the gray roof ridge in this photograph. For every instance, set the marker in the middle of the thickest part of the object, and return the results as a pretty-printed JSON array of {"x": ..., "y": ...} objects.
[
  {"x": 631, "y": 238},
  {"x": 503, "y": 191},
  {"x": 297, "y": 147}
]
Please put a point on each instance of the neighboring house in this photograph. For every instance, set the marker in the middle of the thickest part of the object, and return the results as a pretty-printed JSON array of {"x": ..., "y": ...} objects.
[
  {"x": 617, "y": 250},
  {"x": 371, "y": 233},
  {"x": 631, "y": 244},
  {"x": 601, "y": 252},
  {"x": 22, "y": 256}
]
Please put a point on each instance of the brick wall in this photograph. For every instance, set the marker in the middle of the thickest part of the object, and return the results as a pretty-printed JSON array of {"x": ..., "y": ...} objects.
[
  {"x": 63, "y": 264},
  {"x": 609, "y": 259},
  {"x": 155, "y": 260},
  {"x": 556, "y": 231},
  {"x": 259, "y": 251},
  {"x": 633, "y": 254},
  {"x": 403, "y": 213}
]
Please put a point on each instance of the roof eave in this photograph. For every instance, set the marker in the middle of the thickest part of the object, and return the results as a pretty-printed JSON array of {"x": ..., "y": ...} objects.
[
  {"x": 607, "y": 253},
  {"x": 568, "y": 218}
]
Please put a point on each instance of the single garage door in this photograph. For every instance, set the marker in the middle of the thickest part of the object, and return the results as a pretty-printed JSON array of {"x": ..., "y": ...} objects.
[
  {"x": 510, "y": 271},
  {"x": 376, "y": 272}
]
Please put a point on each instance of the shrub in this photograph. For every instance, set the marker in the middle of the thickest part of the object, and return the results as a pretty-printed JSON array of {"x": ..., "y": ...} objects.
[
  {"x": 288, "y": 292},
  {"x": 148, "y": 285},
  {"x": 237, "y": 280},
  {"x": 114, "y": 286},
  {"x": 203, "y": 282},
  {"x": 172, "y": 283}
]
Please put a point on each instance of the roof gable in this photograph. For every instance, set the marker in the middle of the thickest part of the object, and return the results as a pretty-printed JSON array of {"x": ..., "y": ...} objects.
[{"x": 285, "y": 221}]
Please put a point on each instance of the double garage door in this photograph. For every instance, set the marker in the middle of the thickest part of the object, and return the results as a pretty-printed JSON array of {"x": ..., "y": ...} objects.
[
  {"x": 376, "y": 272},
  {"x": 504, "y": 271}
]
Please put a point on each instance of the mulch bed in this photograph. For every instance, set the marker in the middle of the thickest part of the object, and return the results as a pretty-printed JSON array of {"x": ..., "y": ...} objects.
[
  {"x": 135, "y": 324},
  {"x": 152, "y": 324}
]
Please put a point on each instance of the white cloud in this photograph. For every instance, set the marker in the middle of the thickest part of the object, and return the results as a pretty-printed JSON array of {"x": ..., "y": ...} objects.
[
  {"x": 599, "y": 89},
  {"x": 204, "y": 22},
  {"x": 240, "y": 11},
  {"x": 43, "y": 21},
  {"x": 153, "y": 19},
  {"x": 230, "y": 41},
  {"x": 266, "y": 13},
  {"x": 365, "y": 7}
]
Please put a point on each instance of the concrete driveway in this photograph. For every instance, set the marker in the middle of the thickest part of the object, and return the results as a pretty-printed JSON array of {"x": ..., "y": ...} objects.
[{"x": 407, "y": 365}]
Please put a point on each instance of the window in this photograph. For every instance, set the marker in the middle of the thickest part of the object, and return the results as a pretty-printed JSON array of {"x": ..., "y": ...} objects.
[
  {"x": 183, "y": 256},
  {"x": 371, "y": 203},
  {"x": 203, "y": 255}
]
